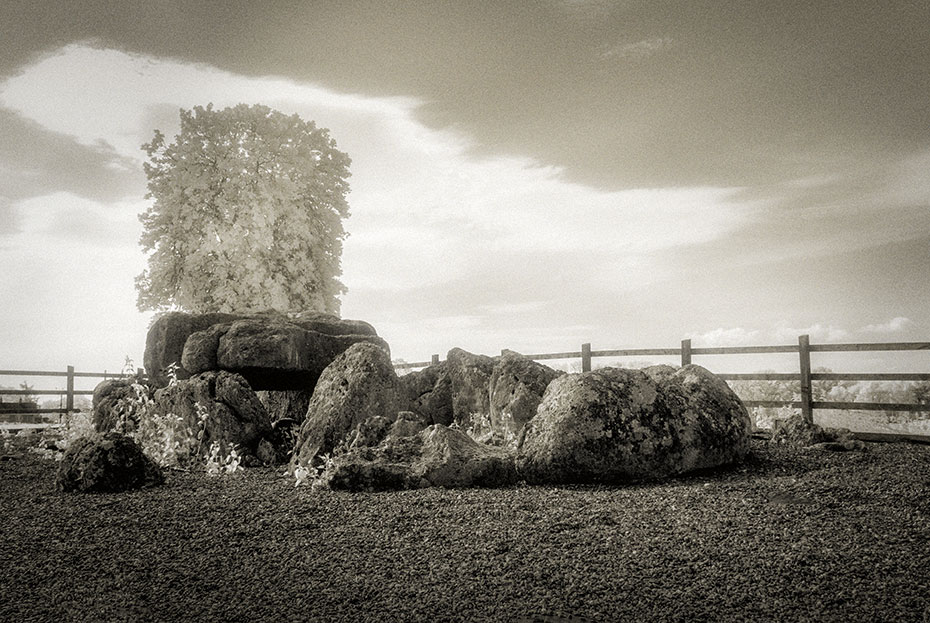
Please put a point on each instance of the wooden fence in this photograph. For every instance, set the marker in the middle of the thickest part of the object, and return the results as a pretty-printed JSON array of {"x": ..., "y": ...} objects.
[
  {"x": 804, "y": 376},
  {"x": 68, "y": 393},
  {"x": 685, "y": 352}
]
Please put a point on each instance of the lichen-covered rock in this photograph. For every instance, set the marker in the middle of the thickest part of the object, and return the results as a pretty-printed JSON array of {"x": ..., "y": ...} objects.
[
  {"x": 359, "y": 384},
  {"x": 711, "y": 424},
  {"x": 797, "y": 432},
  {"x": 616, "y": 425},
  {"x": 368, "y": 432},
  {"x": 199, "y": 353},
  {"x": 515, "y": 388},
  {"x": 450, "y": 458},
  {"x": 234, "y": 414},
  {"x": 437, "y": 456},
  {"x": 106, "y": 462}
]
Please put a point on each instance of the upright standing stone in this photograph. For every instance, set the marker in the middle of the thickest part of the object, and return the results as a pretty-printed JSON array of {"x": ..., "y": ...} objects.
[{"x": 359, "y": 384}]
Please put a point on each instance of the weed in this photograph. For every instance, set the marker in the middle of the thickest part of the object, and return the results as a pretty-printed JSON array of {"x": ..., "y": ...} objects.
[
  {"x": 314, "y": 470},
  {"x": 483, "y": 430},
  {"x": 165, "y": 437}
]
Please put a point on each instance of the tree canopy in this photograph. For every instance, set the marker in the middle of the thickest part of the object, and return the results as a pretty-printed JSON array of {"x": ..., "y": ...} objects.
[{"x": 247, "y": 214}]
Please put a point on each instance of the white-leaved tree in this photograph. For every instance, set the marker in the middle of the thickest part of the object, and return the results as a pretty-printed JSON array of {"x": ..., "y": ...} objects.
[{"x": 247, "y": 214}]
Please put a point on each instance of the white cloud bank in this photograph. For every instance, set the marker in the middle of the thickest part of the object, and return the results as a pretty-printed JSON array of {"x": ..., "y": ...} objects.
[
  {"x": 426, "y": 213},
  {"x": 819, "y": 334}
]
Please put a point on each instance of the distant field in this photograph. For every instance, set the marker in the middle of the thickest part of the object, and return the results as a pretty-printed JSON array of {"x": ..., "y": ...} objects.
[{"x": 788, "y": 536}]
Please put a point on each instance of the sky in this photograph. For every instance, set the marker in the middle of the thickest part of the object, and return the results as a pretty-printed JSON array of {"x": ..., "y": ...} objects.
[{"x": 526, "y": 175}]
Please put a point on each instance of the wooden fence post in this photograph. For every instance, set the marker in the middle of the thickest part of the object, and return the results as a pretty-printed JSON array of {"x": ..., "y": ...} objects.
[
  {"x": 685, "y": 352},
  {"x": 69, "y": 405},
  {"x": 435, "y": 360},
  {"x": 804, "y": 353},
  {"x": 586, "y": 357}
]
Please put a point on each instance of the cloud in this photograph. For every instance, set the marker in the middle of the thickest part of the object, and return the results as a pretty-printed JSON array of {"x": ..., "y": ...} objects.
[
  {"x": 735, "y": 336},
  {"x": 36, "y": 161},
  {"x": 819, "y": 333},
  {"x": 639, "y": 49},
  {"x": 417, "y": 195},
  {"x": 488, "y": 245},
  {"x": 894, "y": 325}
]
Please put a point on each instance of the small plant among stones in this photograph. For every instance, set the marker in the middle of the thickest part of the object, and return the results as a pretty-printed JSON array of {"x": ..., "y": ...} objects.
[
  {"x": 313, "y": 472},
  {"x": 483, "y": 430},
  {"x": 165, "y": 437},
  {"x": 218, "y": 465}
]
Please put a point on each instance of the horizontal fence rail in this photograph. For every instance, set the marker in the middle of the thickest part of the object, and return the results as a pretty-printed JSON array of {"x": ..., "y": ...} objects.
[
  {"x": 805, "y": 377},
  {"x": 68, "y": 393}
]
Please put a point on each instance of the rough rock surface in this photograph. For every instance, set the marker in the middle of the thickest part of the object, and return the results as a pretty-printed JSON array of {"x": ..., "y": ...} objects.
[
  {"x": 798, "y": 432},
  {"x": 329, "y": 324},
  {"x": 106, "y": 462},
  {"x": 437, "y": 456},
  {"x": 452, "y": 391},
  {"x": 235, "y": 414},
  {"x": 470, "y": 375},
  {"x": 359, "y": 384},
  {"x": 377, "y": 428},
  {"x": 369, "y": 432},
  {"x": 270, "y": 352},
  {"x": 428, "y": 393},
  {"x": 616, "y": 425},
  {"x": 305, "y": 340},
  {"x": 515, "y": 388},
  {"x": 164, "y": 343},
  {"x": 407, "y": 424},
  {"x": 712, "y": 426}
]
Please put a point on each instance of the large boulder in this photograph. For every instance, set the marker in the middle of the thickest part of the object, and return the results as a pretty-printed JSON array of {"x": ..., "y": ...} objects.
[
  {"x": 711, "y": 424},
  {"x": 470, "y": 375},
  {"x": 272, "y": 350},
  {"x": 164, "y": 343},
  {"x": 515, "y": 389},
  {"x": 359, "y": 384},
  {"x": 450, "y": 458},
  {"x": 428, "y": 393},
  {"x": 106, "y": 462},
  {"x": 329, "y": 324},
  {"x": 616, "y": 425},
  {"x": 272, "y": 353},
  {"x": 223, "y": 404},
  {"x": 455, "y": 390},
  {"x": 436, "y": 456},
  {"x": 377, "y": 428}
]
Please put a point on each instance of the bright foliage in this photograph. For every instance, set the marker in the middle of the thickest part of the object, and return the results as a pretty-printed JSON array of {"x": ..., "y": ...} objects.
[{"x": 247, "y": 216}]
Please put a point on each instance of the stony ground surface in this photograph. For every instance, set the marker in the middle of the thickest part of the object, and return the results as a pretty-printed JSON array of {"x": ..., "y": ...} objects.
[{"x": 788, "y": 536}]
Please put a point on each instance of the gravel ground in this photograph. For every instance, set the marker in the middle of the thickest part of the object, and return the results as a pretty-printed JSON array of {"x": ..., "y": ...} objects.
[{"x": 788, "y": 536}]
